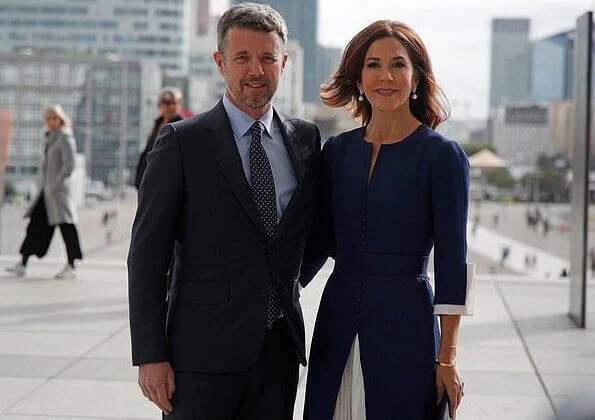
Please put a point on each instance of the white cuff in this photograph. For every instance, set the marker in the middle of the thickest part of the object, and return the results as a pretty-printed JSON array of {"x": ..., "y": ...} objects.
[{"x": 469, "y": 307}]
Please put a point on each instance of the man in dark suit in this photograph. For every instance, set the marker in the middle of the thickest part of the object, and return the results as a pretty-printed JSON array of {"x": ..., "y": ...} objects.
[{"x": 232, "y": 193}]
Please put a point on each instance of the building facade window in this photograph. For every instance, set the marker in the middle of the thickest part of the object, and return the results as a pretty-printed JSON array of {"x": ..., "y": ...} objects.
[{"x": 126, "y": 11}]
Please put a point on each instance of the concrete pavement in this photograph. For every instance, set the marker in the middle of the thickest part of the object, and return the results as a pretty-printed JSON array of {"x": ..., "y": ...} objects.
[{"x": 64, "y": 345}]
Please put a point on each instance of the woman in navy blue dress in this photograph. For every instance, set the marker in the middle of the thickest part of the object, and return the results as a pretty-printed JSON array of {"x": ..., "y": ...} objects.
[{"x": 393, "y": 189}]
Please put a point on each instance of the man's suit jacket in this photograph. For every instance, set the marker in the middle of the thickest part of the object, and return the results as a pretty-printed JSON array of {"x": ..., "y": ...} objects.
[{"x": 195, "y": 199}]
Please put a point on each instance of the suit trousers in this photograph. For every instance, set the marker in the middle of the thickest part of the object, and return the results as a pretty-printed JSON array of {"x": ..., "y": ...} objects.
[{"x": 265, "y": 391}]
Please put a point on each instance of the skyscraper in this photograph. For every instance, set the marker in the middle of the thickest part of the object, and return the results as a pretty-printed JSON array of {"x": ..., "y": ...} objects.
[
  {"x": 301, "y": 17},
  {"x": 510, "y": 67},
  {"x": 155, "y": 30},
  {"x": 552, "y": 66},
  {"x": 199, "y": 18}
]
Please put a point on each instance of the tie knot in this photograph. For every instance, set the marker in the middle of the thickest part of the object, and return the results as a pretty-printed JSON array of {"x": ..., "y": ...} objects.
[{"x": 256, "y": 130}]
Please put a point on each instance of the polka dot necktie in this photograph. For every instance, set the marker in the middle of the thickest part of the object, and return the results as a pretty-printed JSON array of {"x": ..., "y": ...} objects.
[{"x": 263, "y": 189}]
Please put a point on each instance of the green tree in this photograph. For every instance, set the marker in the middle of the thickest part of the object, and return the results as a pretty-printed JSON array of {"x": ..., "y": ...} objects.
[
  {"x": 544, "y": 162},
  {"x": 472, "y": 148},
  {"x": 9, "y": 189},
  {"x": 500, "y": 177}
]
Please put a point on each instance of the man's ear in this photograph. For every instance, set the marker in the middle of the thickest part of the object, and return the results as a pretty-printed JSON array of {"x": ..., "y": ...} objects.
[
  {"x": 219, "y": 61},
  {"x": 285, "y": 56}
]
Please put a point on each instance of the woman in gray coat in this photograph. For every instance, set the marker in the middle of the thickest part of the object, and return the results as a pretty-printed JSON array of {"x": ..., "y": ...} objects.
[{"x": 54, "y": 205}]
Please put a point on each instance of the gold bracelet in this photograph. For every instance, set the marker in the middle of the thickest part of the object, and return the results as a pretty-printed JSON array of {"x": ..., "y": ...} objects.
[{"x": 448, "y": 365}]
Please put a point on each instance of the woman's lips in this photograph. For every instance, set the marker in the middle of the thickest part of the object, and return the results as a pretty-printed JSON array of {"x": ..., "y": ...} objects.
[{"x": 385, "y": 92}]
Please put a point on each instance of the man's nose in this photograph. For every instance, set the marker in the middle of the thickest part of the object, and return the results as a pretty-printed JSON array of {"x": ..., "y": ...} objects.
[{"x": 255, "y": 68}]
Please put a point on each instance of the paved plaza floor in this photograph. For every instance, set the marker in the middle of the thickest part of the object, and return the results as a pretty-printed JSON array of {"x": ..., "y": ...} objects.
[{"x": 65, "y": 348}]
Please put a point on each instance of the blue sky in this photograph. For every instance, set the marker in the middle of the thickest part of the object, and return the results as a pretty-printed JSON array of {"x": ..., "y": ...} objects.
[{"x": 456, "y": 33}]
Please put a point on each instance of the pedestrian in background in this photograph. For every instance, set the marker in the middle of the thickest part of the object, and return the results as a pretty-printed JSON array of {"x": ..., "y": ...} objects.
[
  {"x": 475, "y": 224},
  {"x": 546, "y": 226},
  {"x": 170, "y": 106},
  {"x": 505, "y": 255},
  {"x": 54, "y": 204}
]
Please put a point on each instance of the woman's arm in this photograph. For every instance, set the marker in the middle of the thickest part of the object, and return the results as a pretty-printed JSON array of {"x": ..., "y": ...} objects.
[{"x": 450, "y": 198}]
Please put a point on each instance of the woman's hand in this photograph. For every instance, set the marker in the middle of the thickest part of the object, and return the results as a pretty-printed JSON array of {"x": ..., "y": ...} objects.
[{"x": 449, "y": 381}]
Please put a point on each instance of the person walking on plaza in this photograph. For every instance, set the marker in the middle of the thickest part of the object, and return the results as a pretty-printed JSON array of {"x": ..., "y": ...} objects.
[
  {"x": 504, "y": 255},
  {"x": 231, "y": 192},
  {"x": 391, "y": 190},
  {"x": 170, "y": 106},
  {"x": 54, "y": 204},
  {"x": 476, "y": 220}
]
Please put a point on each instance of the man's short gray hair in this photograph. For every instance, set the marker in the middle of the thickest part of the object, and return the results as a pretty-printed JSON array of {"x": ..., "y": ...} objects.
[{"x": 258, "y": 17}]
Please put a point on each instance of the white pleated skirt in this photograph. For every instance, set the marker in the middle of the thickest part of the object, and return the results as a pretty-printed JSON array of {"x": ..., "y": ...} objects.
[{"x": 351, "y": 401}]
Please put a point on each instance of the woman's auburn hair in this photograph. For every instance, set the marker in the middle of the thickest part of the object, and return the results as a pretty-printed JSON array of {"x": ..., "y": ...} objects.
[{"x": 430, "y": 107}]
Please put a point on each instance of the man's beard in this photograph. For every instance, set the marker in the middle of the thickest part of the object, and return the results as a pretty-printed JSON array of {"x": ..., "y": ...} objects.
[{"x": 253, "y": 102}]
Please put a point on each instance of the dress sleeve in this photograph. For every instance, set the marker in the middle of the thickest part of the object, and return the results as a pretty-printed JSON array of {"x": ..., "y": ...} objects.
[
  {"x": 321, "y": 238},
  {"x": 453, "y": 277}
]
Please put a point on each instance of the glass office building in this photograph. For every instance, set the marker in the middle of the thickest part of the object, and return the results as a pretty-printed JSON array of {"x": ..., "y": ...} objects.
[
  {"x": 301, "y": 18},
  {"x": 552, "y": 67},
  {"x": 510, "y": 64},
  {"x": 109, "y": 101},
  {"x": 151, "y": 29}
]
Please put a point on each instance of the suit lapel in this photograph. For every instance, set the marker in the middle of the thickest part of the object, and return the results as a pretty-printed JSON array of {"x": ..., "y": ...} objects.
[
  {"x": 291, "y": 144},
  {"x": 226, "y": 152},
  {"x": 295, "y": 155}
]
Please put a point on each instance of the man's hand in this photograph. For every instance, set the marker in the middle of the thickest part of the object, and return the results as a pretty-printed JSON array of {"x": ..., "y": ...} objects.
[{"x": 156, "y": 380}]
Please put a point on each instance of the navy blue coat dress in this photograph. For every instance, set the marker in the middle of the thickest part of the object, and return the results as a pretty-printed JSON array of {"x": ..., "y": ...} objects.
[{"x": 380, "y": 232}]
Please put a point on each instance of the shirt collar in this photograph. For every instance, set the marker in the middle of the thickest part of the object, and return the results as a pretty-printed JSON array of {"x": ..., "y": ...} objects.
[{"x": 241, "y": 122}]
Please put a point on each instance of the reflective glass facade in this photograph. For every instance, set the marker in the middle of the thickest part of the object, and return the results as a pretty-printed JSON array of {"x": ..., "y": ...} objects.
[
  {"x": 155, "y": 29},
  {"x": 105, "y": 99},
  {"x": 510, "y": 66},
  {"x": 301, "y": 17},
  {"x": 552, "y": 67}
]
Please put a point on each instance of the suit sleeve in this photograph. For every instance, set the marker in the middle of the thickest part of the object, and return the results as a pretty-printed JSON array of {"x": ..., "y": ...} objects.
[
  {"x": 142, "y": 162},
  {"x": 151, "y": 247},
  {"x": 450, "y": 199},
  {"x": 321, "y": 238},
  {"x": 140, "y": 168}
]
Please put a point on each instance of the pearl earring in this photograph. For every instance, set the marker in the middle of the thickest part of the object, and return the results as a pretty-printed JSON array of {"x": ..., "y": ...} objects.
[
  {"x": 361, "y": 97},
  {"x": 414, "y": 96}
]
